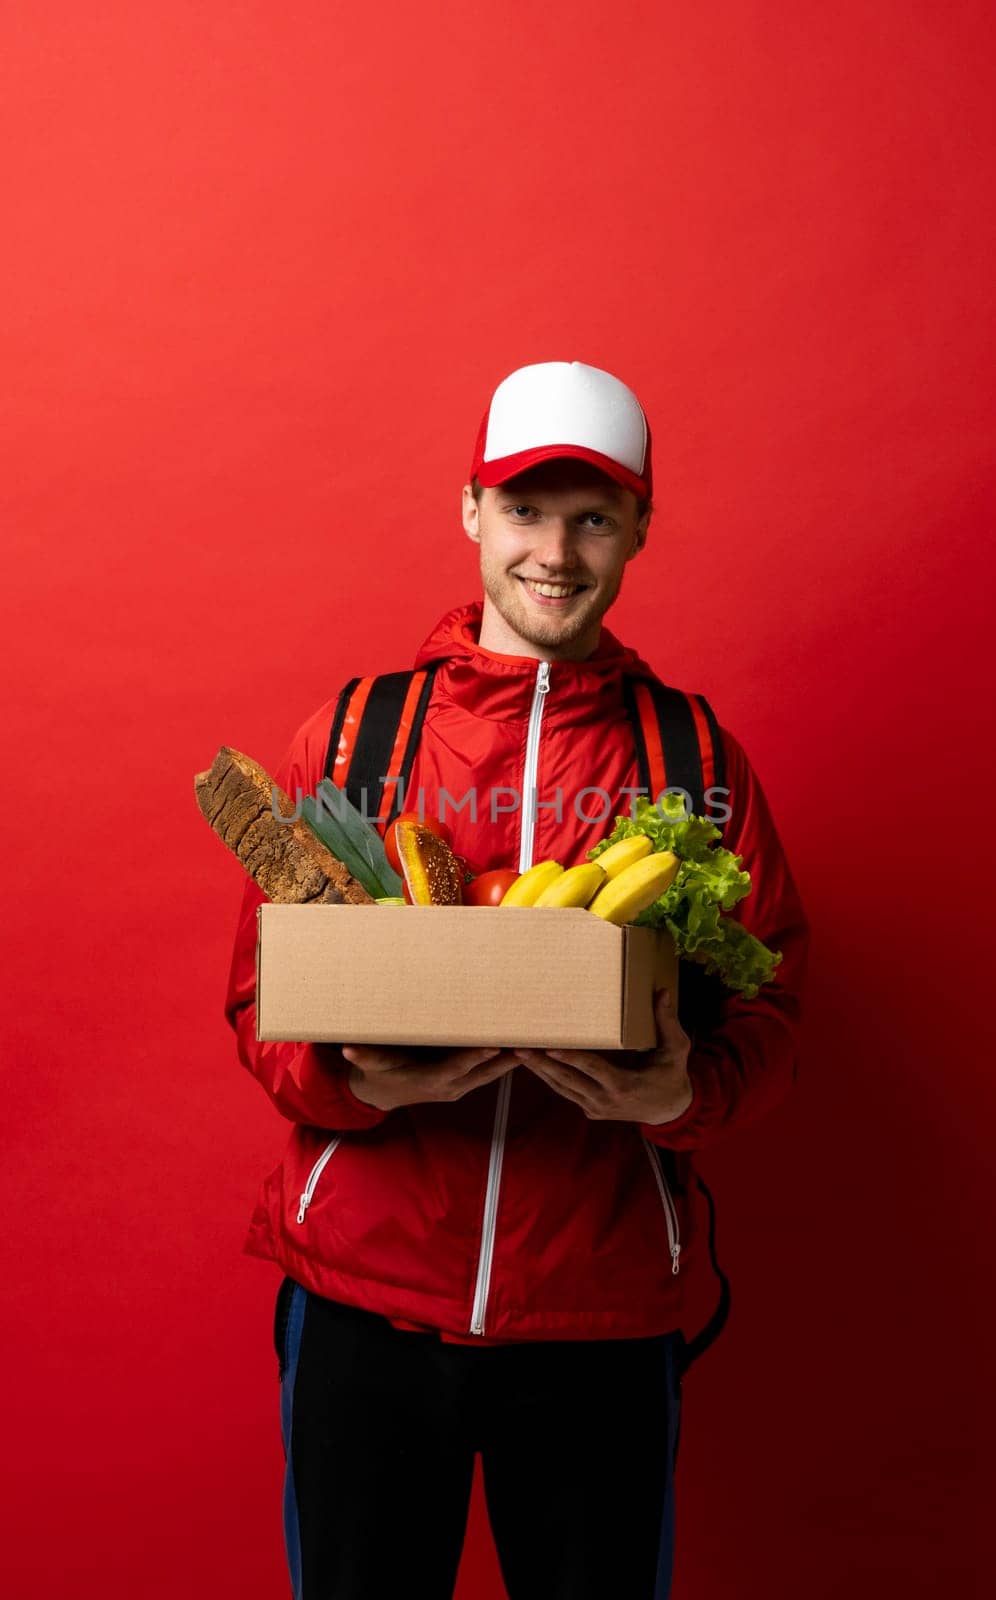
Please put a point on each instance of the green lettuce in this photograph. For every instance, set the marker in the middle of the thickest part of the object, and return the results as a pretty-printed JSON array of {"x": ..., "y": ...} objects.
[{"x": 709, "y": 882}]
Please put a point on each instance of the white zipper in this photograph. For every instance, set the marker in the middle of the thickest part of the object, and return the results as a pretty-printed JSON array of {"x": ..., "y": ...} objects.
[
  {"x": 315, "y": 1174},
  {"x": 670, "y": 1213},
  {"x": 491, "y": 1205},
  {"x": 526, "y": 837},
  {"x": 528, "y": 831}
]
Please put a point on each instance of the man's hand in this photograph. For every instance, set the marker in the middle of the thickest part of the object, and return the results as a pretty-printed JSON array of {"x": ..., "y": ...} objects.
[
  {"x": 386, "y": 1076},
  {"x": 653, "y": 1087}
]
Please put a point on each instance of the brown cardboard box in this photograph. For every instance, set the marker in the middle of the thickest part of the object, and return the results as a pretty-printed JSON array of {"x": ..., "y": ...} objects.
[{"x": 458, "y": 975}]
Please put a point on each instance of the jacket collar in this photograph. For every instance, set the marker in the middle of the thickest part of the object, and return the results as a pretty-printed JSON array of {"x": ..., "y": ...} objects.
[{"x": 501, "y": 687}]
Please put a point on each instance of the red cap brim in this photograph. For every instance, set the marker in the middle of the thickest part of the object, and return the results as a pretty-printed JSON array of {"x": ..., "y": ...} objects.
[{"x": 492, "y": 473}]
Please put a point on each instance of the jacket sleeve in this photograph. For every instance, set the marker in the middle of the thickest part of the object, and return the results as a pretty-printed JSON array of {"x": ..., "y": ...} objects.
[
  {"x": 747, "y": 1064},
  {"x": 308, "y": 1083}
]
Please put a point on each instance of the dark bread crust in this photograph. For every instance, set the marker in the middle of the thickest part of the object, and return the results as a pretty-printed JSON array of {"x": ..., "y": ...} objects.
[{"x": 285, "y": 859}]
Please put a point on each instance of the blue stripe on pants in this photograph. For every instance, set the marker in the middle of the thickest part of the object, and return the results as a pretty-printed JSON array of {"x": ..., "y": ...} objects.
[
  {"x": 292, "y": 1531},
  {"x": 665, "y": 1555}
]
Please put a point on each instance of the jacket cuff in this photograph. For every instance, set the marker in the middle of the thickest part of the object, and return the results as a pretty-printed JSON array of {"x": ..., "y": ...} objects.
[
  {"x": 331, "y": 1072},
  {"x": 692, "y": 1128}
]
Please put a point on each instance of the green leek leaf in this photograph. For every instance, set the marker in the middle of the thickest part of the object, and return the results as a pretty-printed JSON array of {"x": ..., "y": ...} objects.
[{"x": 351, "y": 838}]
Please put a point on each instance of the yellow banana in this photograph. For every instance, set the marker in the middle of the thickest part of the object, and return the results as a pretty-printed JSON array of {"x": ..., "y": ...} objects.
[
  {"x": 529, "y": 884},
  {"x": 574, "y": 887},
  {"x": 624, "y": 897},
  {"x": 623, "y": 853}
]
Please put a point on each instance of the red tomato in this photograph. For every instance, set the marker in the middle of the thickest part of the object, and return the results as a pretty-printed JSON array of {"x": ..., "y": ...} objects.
[
  {"x": 440, "y": 829},
  {"x": 465, "y": 873},
  {"x": 489, "y": 889}
]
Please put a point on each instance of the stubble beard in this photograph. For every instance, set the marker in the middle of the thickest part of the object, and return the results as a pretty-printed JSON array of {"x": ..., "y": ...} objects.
[{"x": 506, "y": 594}]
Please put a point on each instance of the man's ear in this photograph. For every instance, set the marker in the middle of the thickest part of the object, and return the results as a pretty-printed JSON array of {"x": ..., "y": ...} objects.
[
  {"x": 640, "y": 534},
  {"x": 471, "y": 515}
]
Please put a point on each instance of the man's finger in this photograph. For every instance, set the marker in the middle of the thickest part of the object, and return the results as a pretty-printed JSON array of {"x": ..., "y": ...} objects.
[
  {"x": 669, "y": 1029},
  {"x": 564, "y": 1080},
  {"x": 373, "y": 1057},
  {"x": 382, "y": 1058},
  {"x": 591, "y": 1064},
  {"x": 485, "y": 1072},
  {"x": 468, "y": 1066},
  {"x": 461, "y": 1061}
]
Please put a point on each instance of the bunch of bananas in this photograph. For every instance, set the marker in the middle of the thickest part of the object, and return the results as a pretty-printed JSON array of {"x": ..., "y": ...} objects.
[{"x": 625, "y": 879}]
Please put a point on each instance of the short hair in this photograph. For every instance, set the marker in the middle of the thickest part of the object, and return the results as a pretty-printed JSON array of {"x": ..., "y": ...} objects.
[{"x": 642, "y": 506}]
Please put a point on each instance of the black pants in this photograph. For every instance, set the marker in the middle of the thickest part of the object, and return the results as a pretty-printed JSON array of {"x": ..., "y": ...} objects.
[{"x": 380, "y": 1426}]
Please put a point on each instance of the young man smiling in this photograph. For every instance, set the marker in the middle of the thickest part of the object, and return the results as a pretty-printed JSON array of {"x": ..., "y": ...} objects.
[
  {"x": 481, "y": 1248},
  {"x": 554, "y": 541}
]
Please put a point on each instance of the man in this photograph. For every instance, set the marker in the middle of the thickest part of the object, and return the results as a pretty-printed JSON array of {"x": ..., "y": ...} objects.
[{"x": 481, "y": 1248}]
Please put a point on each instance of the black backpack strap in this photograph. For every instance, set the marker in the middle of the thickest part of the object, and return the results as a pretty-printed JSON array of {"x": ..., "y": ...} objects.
[
  {"x": 679, "y": 746},
  {"x": 374, "y": 737},
  {"x": 678, "y": 743},
  {"x": 342, "y": 706}
]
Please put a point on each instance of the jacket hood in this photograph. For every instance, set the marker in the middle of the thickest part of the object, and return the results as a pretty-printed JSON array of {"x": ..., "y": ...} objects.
[{"x": 501, "y": 687}]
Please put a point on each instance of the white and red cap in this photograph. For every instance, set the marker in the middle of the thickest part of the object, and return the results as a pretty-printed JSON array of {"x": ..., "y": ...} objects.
[{"x": 564, "y": 408}]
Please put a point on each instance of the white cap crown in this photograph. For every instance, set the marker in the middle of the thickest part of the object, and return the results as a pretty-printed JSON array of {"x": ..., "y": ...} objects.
[{"x": 566, "y": 403}]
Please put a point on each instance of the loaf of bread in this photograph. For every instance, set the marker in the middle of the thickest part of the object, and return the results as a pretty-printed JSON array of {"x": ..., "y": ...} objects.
[{"x": 285, "y": 859}]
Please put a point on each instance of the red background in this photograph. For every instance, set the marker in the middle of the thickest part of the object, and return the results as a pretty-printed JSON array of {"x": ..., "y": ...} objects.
[{"x": 262, "y": 268}]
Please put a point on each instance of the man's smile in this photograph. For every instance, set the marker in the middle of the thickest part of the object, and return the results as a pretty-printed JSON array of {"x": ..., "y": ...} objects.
[{"x": 551, "y": 593}]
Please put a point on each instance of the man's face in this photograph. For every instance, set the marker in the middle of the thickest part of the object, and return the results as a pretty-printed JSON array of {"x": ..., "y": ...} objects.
[{"x": 564, "y": 527}]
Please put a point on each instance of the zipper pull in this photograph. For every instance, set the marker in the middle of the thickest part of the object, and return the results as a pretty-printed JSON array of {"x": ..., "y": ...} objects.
[
  {"x": 675, "y": 1253},
  {"x": 302, "y": 1208},
  {"x": 543, "y": 678}
]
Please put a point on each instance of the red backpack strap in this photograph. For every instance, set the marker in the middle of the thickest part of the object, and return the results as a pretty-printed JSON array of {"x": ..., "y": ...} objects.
[
  {"x": 678, "y": 743},
  {"x": 374, "y": 737},
  {"x": 341, "y": 738}
]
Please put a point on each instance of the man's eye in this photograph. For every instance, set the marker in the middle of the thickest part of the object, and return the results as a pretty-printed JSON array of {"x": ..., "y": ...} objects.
[{"x": 526, "y": 509}]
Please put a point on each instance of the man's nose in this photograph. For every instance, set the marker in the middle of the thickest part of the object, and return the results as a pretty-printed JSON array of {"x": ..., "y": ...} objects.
[{"x": 555, "y": 545}]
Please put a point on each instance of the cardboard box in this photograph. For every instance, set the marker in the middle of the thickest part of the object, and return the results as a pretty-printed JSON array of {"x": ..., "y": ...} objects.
[{"x": 458, "y": 975}]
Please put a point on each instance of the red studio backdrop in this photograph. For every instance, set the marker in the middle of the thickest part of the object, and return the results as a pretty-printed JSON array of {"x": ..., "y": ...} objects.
[{"x": 262, "y": 267}]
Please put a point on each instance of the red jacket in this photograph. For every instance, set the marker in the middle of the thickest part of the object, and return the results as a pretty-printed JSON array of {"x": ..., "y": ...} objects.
[{"x": 508, "y": 1214}]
